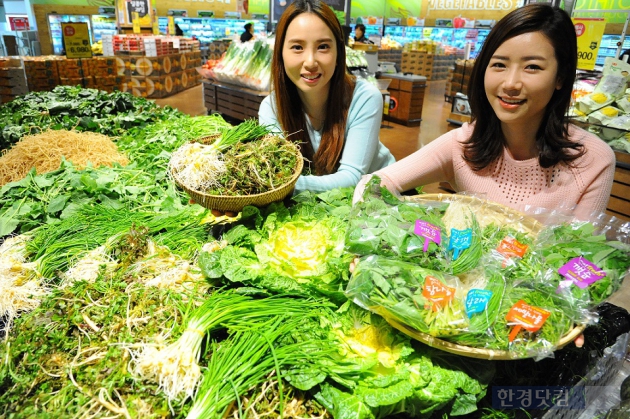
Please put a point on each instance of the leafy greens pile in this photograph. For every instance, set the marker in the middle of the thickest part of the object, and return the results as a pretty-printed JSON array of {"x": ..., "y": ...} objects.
[{"x": 72, "y": 107}]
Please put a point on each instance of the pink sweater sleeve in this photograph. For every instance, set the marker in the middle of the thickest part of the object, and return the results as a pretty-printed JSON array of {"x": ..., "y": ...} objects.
[
  {"x": 594, "y": 173},
  {"x": 435, "y": 162}
]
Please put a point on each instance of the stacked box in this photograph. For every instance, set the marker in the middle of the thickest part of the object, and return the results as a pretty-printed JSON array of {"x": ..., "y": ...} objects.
[
  {"x": 459, "y": 77},
  {"x": 100, "y": 67},
  {"x": 12, "y": 79},
  {"x": 42, "y": 73},
  {"x": 128, "y": 44},
  {"x": 157, "y": 46},
  {"x": 108, "y": 45},
  {"x": 188, "y": 45},
  {"x": 217, "y": 48},
  {"x": 70, "y": 68}
]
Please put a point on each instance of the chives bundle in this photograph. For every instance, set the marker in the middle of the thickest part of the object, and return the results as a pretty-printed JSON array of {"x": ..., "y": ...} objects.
[{"x": 175, "y": 367}]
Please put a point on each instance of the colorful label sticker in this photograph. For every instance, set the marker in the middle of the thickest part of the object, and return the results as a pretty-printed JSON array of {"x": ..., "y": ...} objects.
[
  {"x": 477, "y": 300},
  {"x": 430, "y": 233},
  {"x": 581, "y": 272},
  {"x": 437, "y": 293},
  {"x": 460, "y": 240},
  {"x": 522, "y": 315},
  {"x": 510, "y": 247}
]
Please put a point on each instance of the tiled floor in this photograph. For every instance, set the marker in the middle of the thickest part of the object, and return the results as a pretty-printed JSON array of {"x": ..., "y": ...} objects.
[{"x": 401, "y": 140}]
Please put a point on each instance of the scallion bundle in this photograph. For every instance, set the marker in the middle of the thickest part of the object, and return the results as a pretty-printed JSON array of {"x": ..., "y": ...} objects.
[{"x": 175, "y": 367}]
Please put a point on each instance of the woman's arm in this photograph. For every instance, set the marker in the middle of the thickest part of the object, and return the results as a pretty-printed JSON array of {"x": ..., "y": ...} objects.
[
  {"x": 596, "y": 169},
  {"x": 363, "y": 152},
  {"x": 432, "y": 163}
]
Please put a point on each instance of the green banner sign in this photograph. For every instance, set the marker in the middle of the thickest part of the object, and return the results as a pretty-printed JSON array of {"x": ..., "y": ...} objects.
[
  {"x": 603, "y": 5},
  {"x": 259, "y": 7}
]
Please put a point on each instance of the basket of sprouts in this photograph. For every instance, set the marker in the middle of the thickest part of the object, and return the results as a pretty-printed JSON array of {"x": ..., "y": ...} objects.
[{"x": 243, "y": 165}]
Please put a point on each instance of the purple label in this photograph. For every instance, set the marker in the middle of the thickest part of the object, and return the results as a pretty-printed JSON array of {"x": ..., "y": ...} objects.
[
  {"x": 580, "y": 272},
  {"x": 460, "y": 240},
  {"x": 430, "y": 233}
]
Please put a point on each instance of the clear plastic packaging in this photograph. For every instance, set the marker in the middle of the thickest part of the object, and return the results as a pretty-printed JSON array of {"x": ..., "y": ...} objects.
[{"x": 429, "y": 301}]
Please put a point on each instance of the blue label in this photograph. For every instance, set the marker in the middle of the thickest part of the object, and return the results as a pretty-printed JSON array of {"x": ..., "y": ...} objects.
[
  {"x": 477, "y": 301},
  {"x": 538, "y": 397},
  {"x": 460, "y": 240}
]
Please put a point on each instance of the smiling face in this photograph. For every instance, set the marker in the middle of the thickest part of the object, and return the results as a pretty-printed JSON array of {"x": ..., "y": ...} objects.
[
  {"x": 521, "y": 78},
  {"x": 309, "y": 54}
]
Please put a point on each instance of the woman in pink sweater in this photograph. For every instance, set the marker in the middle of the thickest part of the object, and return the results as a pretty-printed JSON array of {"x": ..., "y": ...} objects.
[{"x": 520, "y": 148}]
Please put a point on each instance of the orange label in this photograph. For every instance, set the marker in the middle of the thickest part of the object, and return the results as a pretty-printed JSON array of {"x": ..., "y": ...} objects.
[
  {"x": 436, "y": 292},
  {"x": 522, "y": 315},
  {"x": 510, "y": 247}
]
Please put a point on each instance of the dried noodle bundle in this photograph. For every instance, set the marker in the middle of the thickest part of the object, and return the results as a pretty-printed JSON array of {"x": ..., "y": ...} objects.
[{"x": 44, "y": 151}]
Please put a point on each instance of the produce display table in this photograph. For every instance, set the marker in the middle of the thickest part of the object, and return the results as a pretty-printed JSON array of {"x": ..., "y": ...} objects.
[
  {"x": 232, "y": 100},
  {"x": 406, "y": 99}
]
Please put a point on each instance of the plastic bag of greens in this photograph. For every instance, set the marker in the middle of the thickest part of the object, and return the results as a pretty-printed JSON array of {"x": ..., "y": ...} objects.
[
  {"x": 586, "y": 261},
  {"x": 531, "y": 322},
  {"x": 426, "y": 300},
  {"x": 382, "y": 224},
  {"x": 485, "y": 290}
]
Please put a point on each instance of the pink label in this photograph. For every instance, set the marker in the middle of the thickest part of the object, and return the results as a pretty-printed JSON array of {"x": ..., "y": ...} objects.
[
  {"x": 430, "y": 233},
  {"x": 580, "y": 272}
]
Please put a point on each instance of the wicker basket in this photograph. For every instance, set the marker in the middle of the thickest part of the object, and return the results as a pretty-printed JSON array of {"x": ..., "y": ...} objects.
[
  {"x": 498, "y": 212},
  {"x": 238, "y": 202}
]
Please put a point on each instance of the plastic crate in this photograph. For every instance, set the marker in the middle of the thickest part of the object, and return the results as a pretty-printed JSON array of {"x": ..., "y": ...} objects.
[{"x": 598, "y": 382}]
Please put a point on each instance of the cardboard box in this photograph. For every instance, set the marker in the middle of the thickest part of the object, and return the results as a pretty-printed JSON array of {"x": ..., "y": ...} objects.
[
  {"x": 14, "y": 90},
  {"x": 72, "y": 81}
]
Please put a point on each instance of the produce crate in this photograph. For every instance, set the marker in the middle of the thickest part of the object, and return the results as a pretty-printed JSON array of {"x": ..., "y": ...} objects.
[{"x": 210, "y": 96}]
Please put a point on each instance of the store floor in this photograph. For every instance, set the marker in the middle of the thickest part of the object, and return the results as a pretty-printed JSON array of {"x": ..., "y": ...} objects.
[{"x": 400, "y": 139}]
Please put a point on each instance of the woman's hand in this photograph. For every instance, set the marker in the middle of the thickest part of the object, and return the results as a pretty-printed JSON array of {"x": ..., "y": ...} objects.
[{"x": 353, "y": 264}]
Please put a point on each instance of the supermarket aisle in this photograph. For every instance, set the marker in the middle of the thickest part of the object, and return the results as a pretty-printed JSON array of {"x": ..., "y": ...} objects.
[{"x": 400, "y": 139}]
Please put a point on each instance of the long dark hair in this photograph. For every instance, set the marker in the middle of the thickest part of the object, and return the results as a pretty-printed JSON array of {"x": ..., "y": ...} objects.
[
  {"x": 487, "y": 141},
  {"x": 288, "y": 104}
]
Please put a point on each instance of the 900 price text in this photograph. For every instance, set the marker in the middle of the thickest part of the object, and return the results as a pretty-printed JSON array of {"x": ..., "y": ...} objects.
[{"x": 585, "y": 55}]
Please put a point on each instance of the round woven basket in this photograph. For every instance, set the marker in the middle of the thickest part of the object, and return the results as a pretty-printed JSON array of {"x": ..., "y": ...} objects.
[
  {"x": 238, "y": 202},
  {"x": 498, "y": 213}
]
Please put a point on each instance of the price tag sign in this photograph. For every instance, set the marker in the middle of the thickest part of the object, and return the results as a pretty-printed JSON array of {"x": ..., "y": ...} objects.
[
  {"x": 76, "y": 38},
  {"x": 581, "y": 272},
  {"x": 510, "y": 248},
  {"x": 589, "y": 32},
  {"x": 430, "y": 233},
  {"x": 522, "y": 315},
  {"x": 437, "y": 293},
  {"x": 460, "y": 240},
  {"x": 477, "y": 300},
  {"x": 171, "y": 25},
  {"x": 135, "y": 22}
]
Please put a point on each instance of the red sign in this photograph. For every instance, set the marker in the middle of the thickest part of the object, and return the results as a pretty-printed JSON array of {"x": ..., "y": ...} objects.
[
  {"x": 68, "y": 31},
  {"x": 19, "y": 23}
]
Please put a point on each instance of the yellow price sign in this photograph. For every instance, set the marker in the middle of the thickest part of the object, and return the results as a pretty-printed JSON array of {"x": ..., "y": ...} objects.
[
  {"x": 135, "y": 22},
  {"x": 171, "y": 25},
  {"x": 589, "y": 32},
  {"x": 76, "y": 38}
]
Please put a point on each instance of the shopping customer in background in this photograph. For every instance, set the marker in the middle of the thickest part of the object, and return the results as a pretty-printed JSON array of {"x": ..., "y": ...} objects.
[
  {"x": 520, "y": 148},
  {"x": 335, "y": 117},
  {"x": 249, "y": 32},
  {"x": 359, "y": 34}
]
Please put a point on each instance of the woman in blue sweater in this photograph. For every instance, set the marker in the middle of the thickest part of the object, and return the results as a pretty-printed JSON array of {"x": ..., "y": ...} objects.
[{"x": 334, "y": 117}]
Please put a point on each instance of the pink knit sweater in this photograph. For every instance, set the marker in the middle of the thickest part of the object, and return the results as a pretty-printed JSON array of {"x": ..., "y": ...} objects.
[{"x": 585, "y": 188}]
